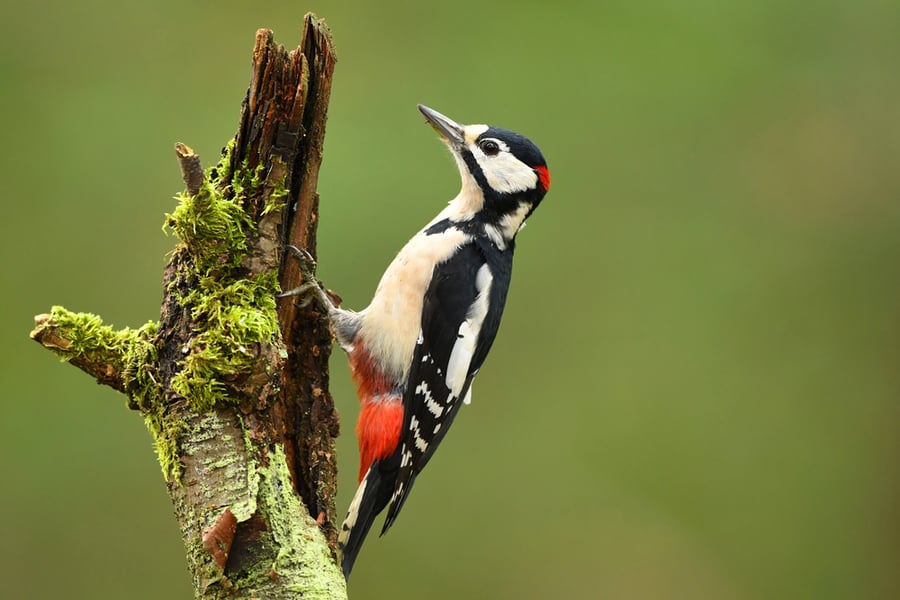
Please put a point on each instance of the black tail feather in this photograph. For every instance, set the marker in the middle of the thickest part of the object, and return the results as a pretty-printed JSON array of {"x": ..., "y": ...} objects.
[{"x": 371, "y": 497}]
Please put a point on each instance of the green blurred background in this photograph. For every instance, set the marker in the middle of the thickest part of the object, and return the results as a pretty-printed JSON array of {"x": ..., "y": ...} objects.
[{"x": 695, "y": 390}]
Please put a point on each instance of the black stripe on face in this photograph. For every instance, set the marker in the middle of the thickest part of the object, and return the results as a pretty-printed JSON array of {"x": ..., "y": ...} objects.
[{"x": 475, "y": 169}]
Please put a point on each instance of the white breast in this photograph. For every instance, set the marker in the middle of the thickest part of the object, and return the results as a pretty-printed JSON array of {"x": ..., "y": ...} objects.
[{"x": 391, "y": 322}]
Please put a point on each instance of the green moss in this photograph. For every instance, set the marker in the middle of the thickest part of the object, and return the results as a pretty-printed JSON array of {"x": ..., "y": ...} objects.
[
  {"x": 133, "y": 355},
  {"x": 223, "y": 170},
  {"x": 231, "y": 312},
  {"x": 276, "y": 196},
  {"x": 250, "y": 181},
  {"x": 139, "y": 369},
  {"x": 213, "y": 228},
  {"x": 167, "y": 435},
  {"x": 246, "y": 180},
  {"x": 90, "y": 338},
  {"x": 231, "y": 321},
  {"x": 130, "y": 352},
  {"x": 276, "y": 200}
]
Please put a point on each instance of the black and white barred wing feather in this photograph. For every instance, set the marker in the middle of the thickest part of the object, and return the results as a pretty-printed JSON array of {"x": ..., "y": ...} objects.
[{"x": 460, "y": 319}]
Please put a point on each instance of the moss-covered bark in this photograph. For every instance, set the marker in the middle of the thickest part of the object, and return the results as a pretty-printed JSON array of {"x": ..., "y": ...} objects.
[{"x": 233, "y": 386}]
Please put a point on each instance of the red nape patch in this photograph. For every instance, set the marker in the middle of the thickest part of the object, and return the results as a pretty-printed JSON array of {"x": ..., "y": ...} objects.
[
  {"x": 544, "y": 175},
  {"x": 378, "y": 431}
]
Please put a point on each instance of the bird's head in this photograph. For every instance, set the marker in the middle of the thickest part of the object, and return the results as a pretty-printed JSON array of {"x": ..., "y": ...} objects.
[{"x": 502, "y": 172}]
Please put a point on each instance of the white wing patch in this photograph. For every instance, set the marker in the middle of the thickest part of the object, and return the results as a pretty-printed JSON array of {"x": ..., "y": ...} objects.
[{"x": 467, "y": 336}]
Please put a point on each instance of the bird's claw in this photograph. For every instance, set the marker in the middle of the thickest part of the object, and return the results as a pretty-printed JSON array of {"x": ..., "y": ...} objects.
[
  {"x": 302, "y": 290},
  {"x": 305, "y": 259},
  {"x": 310, "y": 288}
]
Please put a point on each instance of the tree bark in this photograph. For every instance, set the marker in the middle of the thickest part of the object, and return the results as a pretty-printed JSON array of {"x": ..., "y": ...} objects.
[{"x": 233, "y": 385}]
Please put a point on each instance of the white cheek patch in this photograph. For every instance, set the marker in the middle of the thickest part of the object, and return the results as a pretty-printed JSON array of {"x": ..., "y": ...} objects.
[{"x": 504, "y": 172}]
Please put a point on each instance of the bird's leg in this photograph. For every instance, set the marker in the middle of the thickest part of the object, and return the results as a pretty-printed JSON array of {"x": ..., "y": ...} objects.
[
  {"x": 345, "y": 324},
  {"x": 310, "y": 289}
]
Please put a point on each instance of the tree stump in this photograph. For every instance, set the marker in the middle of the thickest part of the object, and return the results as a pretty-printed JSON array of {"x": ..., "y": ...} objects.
[{"x": 233, "y": 385}]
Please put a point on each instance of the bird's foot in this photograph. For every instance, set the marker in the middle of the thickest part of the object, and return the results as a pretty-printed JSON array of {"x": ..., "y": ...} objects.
[
  {"x": 305, "y": 261},
  {"x": 310, "y": 289}
]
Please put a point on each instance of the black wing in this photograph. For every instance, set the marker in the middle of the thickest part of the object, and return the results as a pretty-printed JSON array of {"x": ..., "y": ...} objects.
[{"x": 460, "y": 319}]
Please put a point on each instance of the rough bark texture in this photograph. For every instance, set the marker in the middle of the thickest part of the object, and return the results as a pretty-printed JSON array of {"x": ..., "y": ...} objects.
[{"x": 232, "y": 385}]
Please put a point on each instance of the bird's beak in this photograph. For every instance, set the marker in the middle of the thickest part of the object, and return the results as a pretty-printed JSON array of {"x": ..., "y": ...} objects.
[{"x": 450, "y": 130}]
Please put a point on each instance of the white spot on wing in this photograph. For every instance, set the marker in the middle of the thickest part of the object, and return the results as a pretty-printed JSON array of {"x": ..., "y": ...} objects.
[
  {"x": 468, "y": 398},
  {"x": 436, "y": 409},
  {"x": 420, "y": 443}
]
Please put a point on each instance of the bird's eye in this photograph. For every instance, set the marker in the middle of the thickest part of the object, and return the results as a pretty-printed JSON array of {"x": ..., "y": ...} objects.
[{"x": 490, "y": 147}]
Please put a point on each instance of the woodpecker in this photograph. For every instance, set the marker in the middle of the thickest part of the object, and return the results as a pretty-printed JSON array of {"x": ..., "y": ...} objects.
[{"x": 415, "y": 349}]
